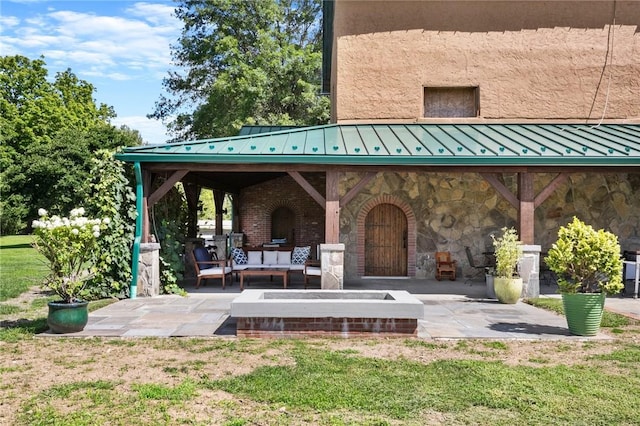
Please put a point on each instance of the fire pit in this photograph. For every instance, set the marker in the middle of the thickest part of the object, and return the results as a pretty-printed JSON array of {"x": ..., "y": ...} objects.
[{"x": 345, "y": 313}]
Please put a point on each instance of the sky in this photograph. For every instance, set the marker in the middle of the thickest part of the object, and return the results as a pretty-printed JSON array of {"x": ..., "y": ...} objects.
[{"x": 121, "y": 47}]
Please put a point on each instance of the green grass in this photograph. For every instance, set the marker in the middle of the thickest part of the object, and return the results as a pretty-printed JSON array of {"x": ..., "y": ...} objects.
[
  {"x": 609, "y": 319},
  {"x": 326, "y": 387},
  {"x": 485, "y": 392},
  {"x": 21, "y": 266}
]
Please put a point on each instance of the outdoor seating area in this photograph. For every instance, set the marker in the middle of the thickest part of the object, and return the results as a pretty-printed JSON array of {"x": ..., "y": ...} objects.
[{"x": 206, "y": 266}]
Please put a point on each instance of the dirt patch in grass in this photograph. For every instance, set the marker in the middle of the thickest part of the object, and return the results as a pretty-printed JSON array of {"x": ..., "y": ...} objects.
[{"x": 33, "y": 365}]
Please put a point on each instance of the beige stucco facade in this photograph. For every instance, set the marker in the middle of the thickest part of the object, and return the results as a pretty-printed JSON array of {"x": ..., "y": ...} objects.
[{"x": 530, "y": 60}]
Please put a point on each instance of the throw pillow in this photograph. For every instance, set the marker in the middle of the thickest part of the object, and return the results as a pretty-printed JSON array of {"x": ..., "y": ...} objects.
[
  {"x": 284, "y": 258},
  {"x": 300, "y": 255},
  {"x": 238, "y": 256},
  {"x": 254, "y": 258},
  {"x": 270, "y": 257}
]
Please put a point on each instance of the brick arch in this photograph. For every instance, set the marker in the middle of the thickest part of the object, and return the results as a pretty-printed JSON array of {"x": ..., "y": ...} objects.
[
  {"x": 273, "y": 206},
  {"x": 411, "y": 230}
]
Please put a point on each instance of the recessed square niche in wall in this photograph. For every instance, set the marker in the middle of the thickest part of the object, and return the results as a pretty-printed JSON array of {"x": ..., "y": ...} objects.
[{"x": 444, "y": 102}]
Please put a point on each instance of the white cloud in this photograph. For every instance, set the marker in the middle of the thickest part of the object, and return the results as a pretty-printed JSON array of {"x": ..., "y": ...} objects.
[
  {"x": 152, "y": 131},
  {"x": 136, "y": 43}
]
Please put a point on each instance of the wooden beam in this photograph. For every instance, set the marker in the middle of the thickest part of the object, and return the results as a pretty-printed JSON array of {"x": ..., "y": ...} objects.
[
  {"x": 526, "y": 209},
  {"x": 332, "y": 212},
  {"x": 308, "y": 188},
  {"x": 356, "y": 189},
  {"x": 166, "y": 186},
  {"x": 502, "y": 190},
  {"x": 550, "y": 189},
  {"x": 218, "y": 200}
]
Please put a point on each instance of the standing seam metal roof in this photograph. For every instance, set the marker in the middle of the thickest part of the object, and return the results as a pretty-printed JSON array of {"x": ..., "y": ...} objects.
[{"x": 413, "y": 144}]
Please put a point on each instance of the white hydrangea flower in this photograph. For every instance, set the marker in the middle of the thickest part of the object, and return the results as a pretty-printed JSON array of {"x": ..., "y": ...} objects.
[
  {"x": 74, "y": 231},
  {"x": 42, "y": 212},
  {"x": 77, "y": 212},
  {"x": 106, "y": 221},
  {"x": 96, "y": 234}
]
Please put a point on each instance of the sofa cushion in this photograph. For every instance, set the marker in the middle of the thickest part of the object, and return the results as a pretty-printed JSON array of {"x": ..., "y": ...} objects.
[
  {"x": 269, "y": 257},
  {"x": 254, "y": 258},
  {"x": 300, "y": 255},
  {"x": 284, "y": 258},
  {"x": 238, "y": 256}
]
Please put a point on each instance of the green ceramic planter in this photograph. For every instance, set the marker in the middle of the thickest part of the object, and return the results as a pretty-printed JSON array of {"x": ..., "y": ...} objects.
[
  {"x": 583, "y": 312},
  {"x": 67, "y": 317},
  {"x": 508, "y": 290}
]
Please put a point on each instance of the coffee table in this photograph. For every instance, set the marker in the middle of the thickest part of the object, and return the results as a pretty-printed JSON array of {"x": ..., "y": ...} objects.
[{"x": 282, "y": 272}]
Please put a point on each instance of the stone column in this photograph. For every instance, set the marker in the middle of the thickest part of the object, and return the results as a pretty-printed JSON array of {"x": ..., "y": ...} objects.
[
  {"x": 529, "y": 269},
  {"x": 332, "y": 264},
  {"x": 149, "y": 270}
]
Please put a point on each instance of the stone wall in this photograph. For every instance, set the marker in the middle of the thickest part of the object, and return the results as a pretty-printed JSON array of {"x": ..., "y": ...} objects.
[
  {"x": 451, "y": 211},
  {"x": 457, "y": 210}
]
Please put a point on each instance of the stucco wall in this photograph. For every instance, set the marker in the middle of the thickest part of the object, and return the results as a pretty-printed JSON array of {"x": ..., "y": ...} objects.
[{"x": 530, "y": 59}]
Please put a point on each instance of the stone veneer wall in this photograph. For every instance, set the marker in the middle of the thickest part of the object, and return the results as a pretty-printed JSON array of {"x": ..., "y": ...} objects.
[
  {"x": 457, "y": 210},
  {"x": 451, "y": 211}
]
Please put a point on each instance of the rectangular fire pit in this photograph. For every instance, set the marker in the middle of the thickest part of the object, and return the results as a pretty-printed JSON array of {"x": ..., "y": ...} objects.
[{"x": 346, "y": 313}]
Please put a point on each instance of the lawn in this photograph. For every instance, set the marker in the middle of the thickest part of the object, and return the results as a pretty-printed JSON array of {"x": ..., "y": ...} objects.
[
  {"x": 229, "y": 381},
  {"x": 21, "y": 266}
]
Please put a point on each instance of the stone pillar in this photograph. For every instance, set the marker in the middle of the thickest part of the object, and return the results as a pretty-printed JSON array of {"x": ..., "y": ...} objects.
[
  {"x": 529, "y": 269},
  {"x": 332, "y": 264},
  {"x": 149, "y": 270}
]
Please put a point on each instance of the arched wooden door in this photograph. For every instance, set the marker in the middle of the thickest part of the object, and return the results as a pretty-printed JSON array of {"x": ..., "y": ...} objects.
[
  {"x": 283, "y": 222},
  {"x": 385, "y": 242}
]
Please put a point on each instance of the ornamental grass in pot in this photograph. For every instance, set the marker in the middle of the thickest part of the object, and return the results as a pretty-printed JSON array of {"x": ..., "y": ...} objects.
[
  {"x": 508, "y": 251},
  {"x": 70, "y": 245},
  {"x": 589, "y": 267}
]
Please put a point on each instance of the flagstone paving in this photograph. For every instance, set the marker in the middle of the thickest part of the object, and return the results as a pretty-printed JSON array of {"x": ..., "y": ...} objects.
[{"x": 452, "y": 310}]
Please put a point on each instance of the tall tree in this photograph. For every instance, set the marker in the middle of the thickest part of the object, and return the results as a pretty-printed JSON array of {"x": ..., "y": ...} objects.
[
  {"x": 48, "y": 133},
  {"x": 244, "y": 62}
]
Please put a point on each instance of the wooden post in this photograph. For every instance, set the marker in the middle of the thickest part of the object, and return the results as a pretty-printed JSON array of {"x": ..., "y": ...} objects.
[
  {"x": 332, "y": 211},
  {"x": 526, "y": 209},
  {"x": 235, "y": 217},
  {"x": 146, "y": 189},
  {"x": 218, "y": 200}
]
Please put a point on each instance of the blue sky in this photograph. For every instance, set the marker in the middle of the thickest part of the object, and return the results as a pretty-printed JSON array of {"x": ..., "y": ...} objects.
[{"x": 121, "y": 47}]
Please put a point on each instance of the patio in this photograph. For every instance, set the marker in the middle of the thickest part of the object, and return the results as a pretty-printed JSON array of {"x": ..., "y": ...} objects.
[{"x": 453, "y": 310}]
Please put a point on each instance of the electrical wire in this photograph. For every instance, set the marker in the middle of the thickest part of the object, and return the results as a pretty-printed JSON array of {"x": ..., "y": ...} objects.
[{"x": 609, "y": 52}]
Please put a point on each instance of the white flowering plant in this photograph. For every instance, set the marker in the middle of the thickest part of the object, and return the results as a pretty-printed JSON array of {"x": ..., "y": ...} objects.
[{"x": 70, "y": 246}]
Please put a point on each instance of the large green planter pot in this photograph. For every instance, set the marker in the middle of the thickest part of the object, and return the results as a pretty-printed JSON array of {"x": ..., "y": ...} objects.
[
  {"x": 583, "y": 312},
  {"x": 508, "y": 290},
  {"x": 67, "y": 317}
]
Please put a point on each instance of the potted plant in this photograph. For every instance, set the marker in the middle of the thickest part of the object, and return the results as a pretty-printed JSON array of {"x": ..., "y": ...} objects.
[
  {"x": 508, "y": 251},
  {"x": 70, "y": 246},
  {"x": 588, "y": 265}
]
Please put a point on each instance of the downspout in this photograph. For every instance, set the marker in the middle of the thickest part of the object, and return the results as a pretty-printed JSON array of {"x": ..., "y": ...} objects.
[{"x": 133, "y": 288}]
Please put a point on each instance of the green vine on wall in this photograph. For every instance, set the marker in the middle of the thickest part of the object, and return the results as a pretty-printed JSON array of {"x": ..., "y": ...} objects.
[{"x": 112, "y": 197}]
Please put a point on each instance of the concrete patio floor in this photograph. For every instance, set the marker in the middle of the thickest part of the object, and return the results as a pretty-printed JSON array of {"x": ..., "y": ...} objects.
[{"x": 452, "y": 310}]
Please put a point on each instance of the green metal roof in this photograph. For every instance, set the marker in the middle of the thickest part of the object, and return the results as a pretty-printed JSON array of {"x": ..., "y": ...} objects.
[
  {"x": 413, "y": 144},
  {"x": 252, "y": 130}
]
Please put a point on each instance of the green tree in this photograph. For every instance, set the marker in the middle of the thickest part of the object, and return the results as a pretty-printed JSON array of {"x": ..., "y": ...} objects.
[
  {"x": 244, "y": 62},
  {"x": 49, "y": 131}
]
